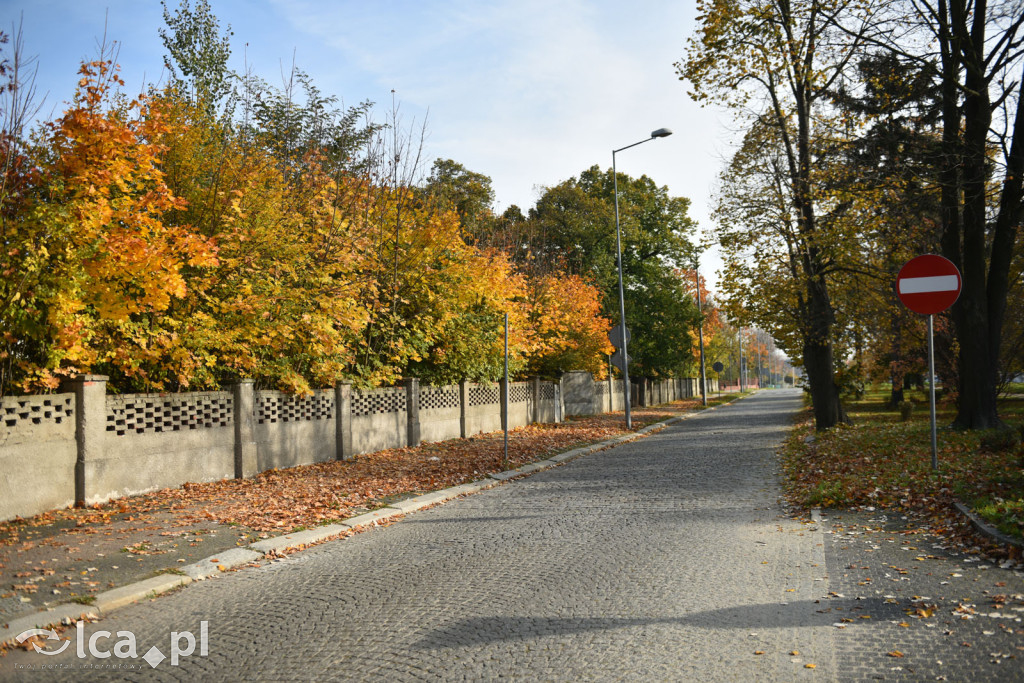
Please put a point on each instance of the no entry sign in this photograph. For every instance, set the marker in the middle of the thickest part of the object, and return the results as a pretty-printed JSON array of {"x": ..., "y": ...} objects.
[{"x": 928, "y": 284}]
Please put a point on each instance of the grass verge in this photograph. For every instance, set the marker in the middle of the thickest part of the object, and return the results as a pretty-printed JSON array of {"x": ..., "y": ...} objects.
[{"x": 884, "y": 461}]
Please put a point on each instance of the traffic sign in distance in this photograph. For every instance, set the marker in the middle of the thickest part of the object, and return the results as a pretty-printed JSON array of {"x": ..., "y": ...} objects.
[
  {"x": 617, "y": 360},
  {"x": 718, "y": 367},
  {"x": 615, "y": 336},
  {"x": 928, "y": 284}
]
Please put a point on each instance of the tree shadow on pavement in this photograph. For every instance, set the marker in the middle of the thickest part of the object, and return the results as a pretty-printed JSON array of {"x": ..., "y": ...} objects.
[{"x": 832, "y": 613}]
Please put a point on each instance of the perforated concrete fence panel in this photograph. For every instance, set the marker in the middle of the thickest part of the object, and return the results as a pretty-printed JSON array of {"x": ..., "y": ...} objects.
[
  {"x": 153, "y": 441},
  {"x": 520, "y": 404},
  {"x": 379, "y": 419},
  {"x": 548, "y": 404},
  {"x": 483, "y": 414},
  {"x": 440, "y": 413},
  {"x": 293, "y": 430},
  {"x": 37, "y": 454}
]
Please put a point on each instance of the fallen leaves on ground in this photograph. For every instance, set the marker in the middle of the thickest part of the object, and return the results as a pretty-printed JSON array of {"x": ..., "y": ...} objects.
[{"x": 882, "y": 462}]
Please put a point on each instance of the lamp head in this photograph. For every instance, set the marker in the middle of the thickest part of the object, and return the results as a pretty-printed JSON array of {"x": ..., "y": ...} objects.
[{"x": 661, "y": 133}]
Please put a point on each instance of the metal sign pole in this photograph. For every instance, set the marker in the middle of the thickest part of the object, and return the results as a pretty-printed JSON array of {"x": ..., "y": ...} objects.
[
  {"x": 700, "y": 330},
  {"x": 929, "y": 284},
  {"x": 622, "y": 301},
  {"x": 931, "y": 389},
  {"x": 504, "y": 407}
]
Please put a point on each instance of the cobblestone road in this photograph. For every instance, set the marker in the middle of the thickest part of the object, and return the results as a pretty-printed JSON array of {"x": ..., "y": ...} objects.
[
  {"x": 908, "y": 608},
  {"x": 668, "y": 558}
]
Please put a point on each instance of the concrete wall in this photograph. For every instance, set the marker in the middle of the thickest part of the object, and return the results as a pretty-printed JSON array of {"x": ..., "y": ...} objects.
[
  {"x": 37, "y": 454},
  {"x": 483, "y": 410},
  {"x": 82, "y": 446},
  {"x": 440, "y": 413},
  {"x": 379, "y": 419},
  {"x": 579, "y": 394},
  {"x": 548, "y": 404},
  {"x": 520, "y": 404}
]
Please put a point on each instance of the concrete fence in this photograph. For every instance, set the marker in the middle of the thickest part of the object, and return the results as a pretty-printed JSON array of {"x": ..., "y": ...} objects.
[
  {"x": 583, "y": 395},
  {"x": 82, "y": 446}
]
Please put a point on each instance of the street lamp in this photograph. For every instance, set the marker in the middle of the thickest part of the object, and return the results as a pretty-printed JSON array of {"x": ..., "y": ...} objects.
[{"x": 660, "y": 133}]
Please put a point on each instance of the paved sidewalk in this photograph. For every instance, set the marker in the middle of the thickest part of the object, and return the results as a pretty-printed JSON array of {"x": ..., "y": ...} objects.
[{"x": 908, "y": 607}]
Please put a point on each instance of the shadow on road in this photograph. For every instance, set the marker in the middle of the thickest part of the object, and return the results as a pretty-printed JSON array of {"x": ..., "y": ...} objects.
[{"x": 842, "y": 613}]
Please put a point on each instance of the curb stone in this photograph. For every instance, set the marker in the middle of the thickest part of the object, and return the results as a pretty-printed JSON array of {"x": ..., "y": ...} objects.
[
  {"x": 215, "y": 564},
  {"x": 529, "y": 468},
  {"x": 133, "y": 592},
  {"x": 985, "y": 528},
  {"x": 67, "y": 612},
  {"x": 426, "y": 500},
  {"x": 122, "y": 596},
  {"x": 372, "y": 518},
  {"x": 471, "y": 487}
]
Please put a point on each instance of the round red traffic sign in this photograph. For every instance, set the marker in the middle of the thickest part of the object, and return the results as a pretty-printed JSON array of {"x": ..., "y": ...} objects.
[{"x": 928, "y": 284}]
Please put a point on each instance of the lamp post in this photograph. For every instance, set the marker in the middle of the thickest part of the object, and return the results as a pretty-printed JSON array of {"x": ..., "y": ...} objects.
[
  {"x": 660, "y": 133},
  {"x": 739, "y": 337}
]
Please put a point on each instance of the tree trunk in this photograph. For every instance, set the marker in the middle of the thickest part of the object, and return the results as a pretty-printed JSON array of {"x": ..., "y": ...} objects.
[
  {"x": 828, "y": 411},
  {"x": 818, "y": 358}
]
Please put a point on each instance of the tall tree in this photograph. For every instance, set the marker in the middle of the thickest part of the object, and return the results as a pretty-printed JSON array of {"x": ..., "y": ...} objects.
[
  {"x": 197, "y": 53},
  {"x": 890, "y": 175},
  {"x": 466, "y": 192},
  {"x": 573, "y": 227},
  {"x": 982, "y": 62},
  {"x": 780, "y": 58},
  {"x": 23, "y": 266}
]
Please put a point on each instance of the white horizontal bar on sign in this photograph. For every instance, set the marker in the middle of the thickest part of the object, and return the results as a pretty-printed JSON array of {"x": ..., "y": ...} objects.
[{"x": 936, "y": 283}]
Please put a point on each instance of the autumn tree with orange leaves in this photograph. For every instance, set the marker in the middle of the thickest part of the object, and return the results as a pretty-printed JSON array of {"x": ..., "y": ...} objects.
[
  {"x": 171, "y": 247},
  {"x": 88, "y": 244}
]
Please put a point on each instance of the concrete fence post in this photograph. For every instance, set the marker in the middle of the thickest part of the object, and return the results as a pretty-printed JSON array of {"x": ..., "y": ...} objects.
[
  {"x": 559, "y": 402},
  {"x": 535, "y": 393},
  {"x": 246, "y": 460},
  {"x": 343, "y": 420},
  {"x": 90, "y": 429},
  {"x": 412, "y": 408}
]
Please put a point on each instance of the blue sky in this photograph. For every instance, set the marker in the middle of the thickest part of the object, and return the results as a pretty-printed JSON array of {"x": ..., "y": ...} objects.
[{"x": 528, "y": 92}]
